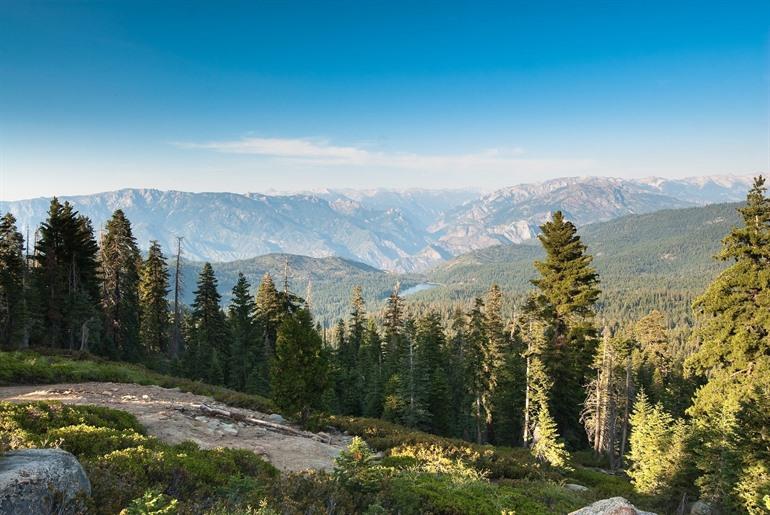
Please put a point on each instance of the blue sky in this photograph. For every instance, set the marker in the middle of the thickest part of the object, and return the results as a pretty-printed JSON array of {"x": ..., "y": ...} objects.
[{"x": 289, "y": 95}]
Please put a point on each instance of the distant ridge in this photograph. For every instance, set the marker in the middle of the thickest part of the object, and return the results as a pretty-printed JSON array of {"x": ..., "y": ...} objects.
[{"x": 395, "y": 230}]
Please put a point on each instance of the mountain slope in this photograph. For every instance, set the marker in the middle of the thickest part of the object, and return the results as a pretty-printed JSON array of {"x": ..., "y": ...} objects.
[
  {"x": 511, "y": 215},
  {"x": 701, "y": 190},
  {"x": 228, "y": 226},
  {"x": 327, "y": 282},
  {"x": 663, "y": 259}
]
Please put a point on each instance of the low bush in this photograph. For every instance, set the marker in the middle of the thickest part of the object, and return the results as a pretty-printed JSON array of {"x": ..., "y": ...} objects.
[
  {"x": 124, "y": 465},
  {"x": 497, "y": 462}
]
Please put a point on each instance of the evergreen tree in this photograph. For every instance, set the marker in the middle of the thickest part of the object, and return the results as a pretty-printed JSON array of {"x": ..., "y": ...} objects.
[
  {"x": 339, "y": 370},
  {"x": 547, "y": 447},
  {"x": 65, "y": 277},
  {"x": 207, "y": 353},
  {"x": 567, "y": 293},
  {"x": 154, "y": 330},
  {"x": 245, "y": 344},
  {"x": 372, "y": 371},
  {"x": 493, "y": 350},
  {"x": 120, "y": 261},
  {"x": 509, "y": 397},
  {"x": 657, "y": 447},
  {"x": 270, "y": 312},
  {"x": 731, "y": 413},
  {"x": 394, "y": 341},
  {"x": 298, "y": 373},
  {"x": 460, "y": 394},
  {"x": 12, "y": 271},
  {"x": 474, "y": 369},
  {"x": 432, "y": 390},
  {"x": 356, "y": 334}
]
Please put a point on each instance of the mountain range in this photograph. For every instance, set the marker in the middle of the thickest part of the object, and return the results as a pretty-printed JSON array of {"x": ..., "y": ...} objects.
[
  {"x": 394, "y": 230},
  {"x": 656, "y": 260}
]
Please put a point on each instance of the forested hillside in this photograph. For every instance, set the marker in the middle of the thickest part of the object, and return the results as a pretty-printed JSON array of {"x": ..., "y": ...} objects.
[{"x": 659, "y": 260}]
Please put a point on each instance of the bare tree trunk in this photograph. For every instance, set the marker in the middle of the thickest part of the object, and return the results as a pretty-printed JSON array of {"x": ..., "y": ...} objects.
[
  {"x": 626, "y": 407},
  {"x": 526, "y": 397},
  {"x": 177, "y": 333},
  {"x": 479, "y": 434}
]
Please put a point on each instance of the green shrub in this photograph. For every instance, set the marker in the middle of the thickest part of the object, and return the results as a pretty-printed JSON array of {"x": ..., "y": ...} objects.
[
  {"x": 498, "y": 462},
  {"x": 152, "y": 503},
  {"x": 87, "y": 441}
]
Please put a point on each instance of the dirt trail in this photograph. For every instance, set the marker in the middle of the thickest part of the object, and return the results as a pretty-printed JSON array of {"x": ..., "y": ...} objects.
[{"x": 174, "y": 416}]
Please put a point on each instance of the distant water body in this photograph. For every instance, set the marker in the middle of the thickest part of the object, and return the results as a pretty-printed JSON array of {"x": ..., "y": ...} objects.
[{"x": 417, "y": 288}]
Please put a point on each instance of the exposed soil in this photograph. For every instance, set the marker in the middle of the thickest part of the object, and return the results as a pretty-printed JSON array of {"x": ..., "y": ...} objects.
[{"x": 174, "y": 416}]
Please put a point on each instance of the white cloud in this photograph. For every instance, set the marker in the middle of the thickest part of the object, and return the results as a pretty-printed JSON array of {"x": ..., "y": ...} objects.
[
  {"x": 320, "y": 152},
  {"x": 282, "y": 147}
]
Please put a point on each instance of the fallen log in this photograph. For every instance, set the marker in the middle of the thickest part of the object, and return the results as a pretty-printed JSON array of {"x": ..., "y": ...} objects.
[{"x": 271, "y": 426}]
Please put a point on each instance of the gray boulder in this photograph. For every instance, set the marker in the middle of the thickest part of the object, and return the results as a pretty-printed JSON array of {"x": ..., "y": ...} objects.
[
  {"x": 611, "y": 506},
  {"x": 701, "y": 508},
  {"x": 275, "y": 417},
  {"x": 41, "y": 482},
  {"x": 575, "y": 487}
]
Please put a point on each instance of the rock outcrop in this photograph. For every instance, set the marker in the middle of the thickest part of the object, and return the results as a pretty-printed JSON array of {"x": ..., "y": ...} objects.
[
  {"x": 41, "y": 482},
  {"x": 611, "y": 506}
]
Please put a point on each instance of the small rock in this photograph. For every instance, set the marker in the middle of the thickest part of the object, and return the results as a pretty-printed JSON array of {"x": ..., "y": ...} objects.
[
  {"x": 229, "y": 429},
  {"x": 107, "y": 393},
  {"x": 575, "y": 487},
  {"x": 701, "y": 508},
  {"x": 146, "y": 397},
  {"x": 275, "y": 417},
  {"x": 201, "y": 418},
  {"x": 42, "y": 481},
  {"x": 611, "y": 506}
]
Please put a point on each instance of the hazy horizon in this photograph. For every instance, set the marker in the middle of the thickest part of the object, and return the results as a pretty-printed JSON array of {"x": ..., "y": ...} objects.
[{"x": 351, "y": 190}]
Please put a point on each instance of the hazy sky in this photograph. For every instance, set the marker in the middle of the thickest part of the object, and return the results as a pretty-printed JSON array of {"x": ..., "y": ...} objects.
[{"x": 288, "y": 95}]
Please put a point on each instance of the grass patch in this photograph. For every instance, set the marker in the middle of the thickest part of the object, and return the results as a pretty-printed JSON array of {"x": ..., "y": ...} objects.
[{"x": 28, "y": 367}]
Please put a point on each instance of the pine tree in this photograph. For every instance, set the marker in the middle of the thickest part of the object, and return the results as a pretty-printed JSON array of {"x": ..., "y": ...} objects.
[
  {"x": 270, "y": 312},
  {"x": 339, "y": 371},
  {"x": 246, "y": 342},
  {"x": 474, "y": 369},
  {"x": 298, "y": 373},
  {"x": 12, "y": 270},
  {"x": 567, "y": 293},
  {"x": 461, "y": 396},
  {"x": 432, "y": 393},
  {"x": 540, "y": 433},
  {"x": 732, "y": 411},
  {"x": 394, "y": 341},
  {"x": 493, "y": 350},
  {"x": 547, "y": 446},
  {"x": 509, "y": 397},
  {"x": 356, "y": 330},
  {"x": 154, "y": 288},
  {"x": 120, "y": 261},
  {"x": 656, "y": 447},
  {"x": 372, "y": 371},
  {"x": 65, "y": 279},
  {"x": 207, "y": 353}
]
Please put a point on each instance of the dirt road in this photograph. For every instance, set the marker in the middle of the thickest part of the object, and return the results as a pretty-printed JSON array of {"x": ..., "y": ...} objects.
[{"x": 174, "y": 416}]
